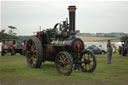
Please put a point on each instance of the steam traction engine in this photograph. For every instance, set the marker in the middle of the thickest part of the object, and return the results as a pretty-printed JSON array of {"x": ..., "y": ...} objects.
[{"x": 61, "y": 46}]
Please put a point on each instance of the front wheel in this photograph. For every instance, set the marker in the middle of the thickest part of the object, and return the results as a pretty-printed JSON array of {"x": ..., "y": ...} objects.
[
  {"x": 88, "y": 61},
  {"x": 64, "y": 63}
]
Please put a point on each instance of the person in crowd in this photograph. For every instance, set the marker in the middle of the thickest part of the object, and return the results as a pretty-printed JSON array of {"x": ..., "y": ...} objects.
[{"x": 109, "y": 52}]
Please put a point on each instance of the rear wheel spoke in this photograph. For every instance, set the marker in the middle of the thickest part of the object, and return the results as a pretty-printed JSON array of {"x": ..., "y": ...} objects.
[
  {"x": 30, "y": 59},
  {"x": 30, "y": 45}
]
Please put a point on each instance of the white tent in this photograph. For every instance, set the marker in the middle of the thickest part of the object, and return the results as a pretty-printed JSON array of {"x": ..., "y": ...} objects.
[{"x": 118, "y": 44}]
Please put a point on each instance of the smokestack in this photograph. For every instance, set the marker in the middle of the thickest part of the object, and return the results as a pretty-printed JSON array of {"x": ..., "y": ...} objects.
[{"x": 72, "y": 10}]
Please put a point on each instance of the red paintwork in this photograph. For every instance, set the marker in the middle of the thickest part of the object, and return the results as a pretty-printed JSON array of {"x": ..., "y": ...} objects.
[
  {"x": 38, "y": 34},
  {"x": 8, "y": 46},
  {"x": 77, "y": 46}
]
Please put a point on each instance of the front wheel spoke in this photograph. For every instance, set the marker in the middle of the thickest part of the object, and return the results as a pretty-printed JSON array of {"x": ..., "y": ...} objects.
[
  {"x": 91, "y": 63},
  {"x": 66, "y": 61},
  {"x": 82, "y": 59},
  {"x": 89, "y": 66},
  {"x": 60, "y": 57},
  {"x": 60, "y": 61},
  {"x": 60, "y": 68},
  {"x": 65, "y": 69},
  {"x": 91, "y": 60},
  {"x": 63, "y": 57},
  {"x": 85, "y": 66},
  {"x": 84, "y": 56},
  {"x": 90, "y": 57},
  {"x": 68, "y": 66}
]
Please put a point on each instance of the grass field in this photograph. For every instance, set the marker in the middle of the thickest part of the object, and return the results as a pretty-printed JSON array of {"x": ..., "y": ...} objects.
[{"x": 14, "y": 71}]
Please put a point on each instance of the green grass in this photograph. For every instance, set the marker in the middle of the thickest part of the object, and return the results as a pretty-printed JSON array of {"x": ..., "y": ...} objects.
[{"x": 14, "y": 71}]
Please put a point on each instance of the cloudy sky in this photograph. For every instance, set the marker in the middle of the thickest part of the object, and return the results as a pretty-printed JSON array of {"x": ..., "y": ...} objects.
[{"x": 91, "y": 16}]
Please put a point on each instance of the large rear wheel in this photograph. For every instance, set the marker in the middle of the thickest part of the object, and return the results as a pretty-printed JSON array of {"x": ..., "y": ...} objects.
[
  {"x": 64, "y": 63},
  {"x": 34, "y": 52},
  {"x": 88, "y": 61}
]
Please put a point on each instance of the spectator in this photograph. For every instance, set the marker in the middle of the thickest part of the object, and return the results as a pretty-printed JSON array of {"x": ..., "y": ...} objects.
[
  {"x": 109, "y": 52},
  {"x": 77, "y": 67}
]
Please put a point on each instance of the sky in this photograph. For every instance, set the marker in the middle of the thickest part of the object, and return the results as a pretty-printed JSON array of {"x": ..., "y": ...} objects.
[{"x": 91, "y": 16}]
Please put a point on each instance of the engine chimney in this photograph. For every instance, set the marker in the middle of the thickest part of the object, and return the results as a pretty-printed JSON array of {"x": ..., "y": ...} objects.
[{"x": 72, "y": 10}]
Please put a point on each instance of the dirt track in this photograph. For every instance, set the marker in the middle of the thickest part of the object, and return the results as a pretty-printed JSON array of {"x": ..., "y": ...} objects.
[{"x": 84, "y": 38}]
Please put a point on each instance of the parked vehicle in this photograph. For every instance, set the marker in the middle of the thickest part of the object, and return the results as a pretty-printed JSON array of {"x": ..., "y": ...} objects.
[
  {"x": 11, "y": 46},
  {"x": 96, "y": 50}
]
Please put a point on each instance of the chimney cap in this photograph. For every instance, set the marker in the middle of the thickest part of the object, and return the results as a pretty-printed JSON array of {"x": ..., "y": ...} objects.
[{"x": 72, "y": 8}]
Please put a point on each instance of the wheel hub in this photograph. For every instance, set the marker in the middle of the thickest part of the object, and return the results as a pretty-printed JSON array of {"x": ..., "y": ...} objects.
[{"x": 87, "y": 61}]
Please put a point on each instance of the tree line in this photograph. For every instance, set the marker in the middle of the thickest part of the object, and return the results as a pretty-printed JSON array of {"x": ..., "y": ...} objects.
[{"x": 10, "y": 35}]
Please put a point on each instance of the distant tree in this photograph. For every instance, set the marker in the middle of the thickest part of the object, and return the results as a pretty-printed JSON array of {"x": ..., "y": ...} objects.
[
  {"x": 3, "y": 30},
  {"x": 11, "y": 31},
  {"x": 4, "y": 35},
  {"x": 123, "y": 38},
  {"x": 12, "y": 27}
]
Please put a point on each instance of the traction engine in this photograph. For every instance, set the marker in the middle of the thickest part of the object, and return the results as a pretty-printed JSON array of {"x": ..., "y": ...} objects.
[{"x": 60, "y": 45}]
